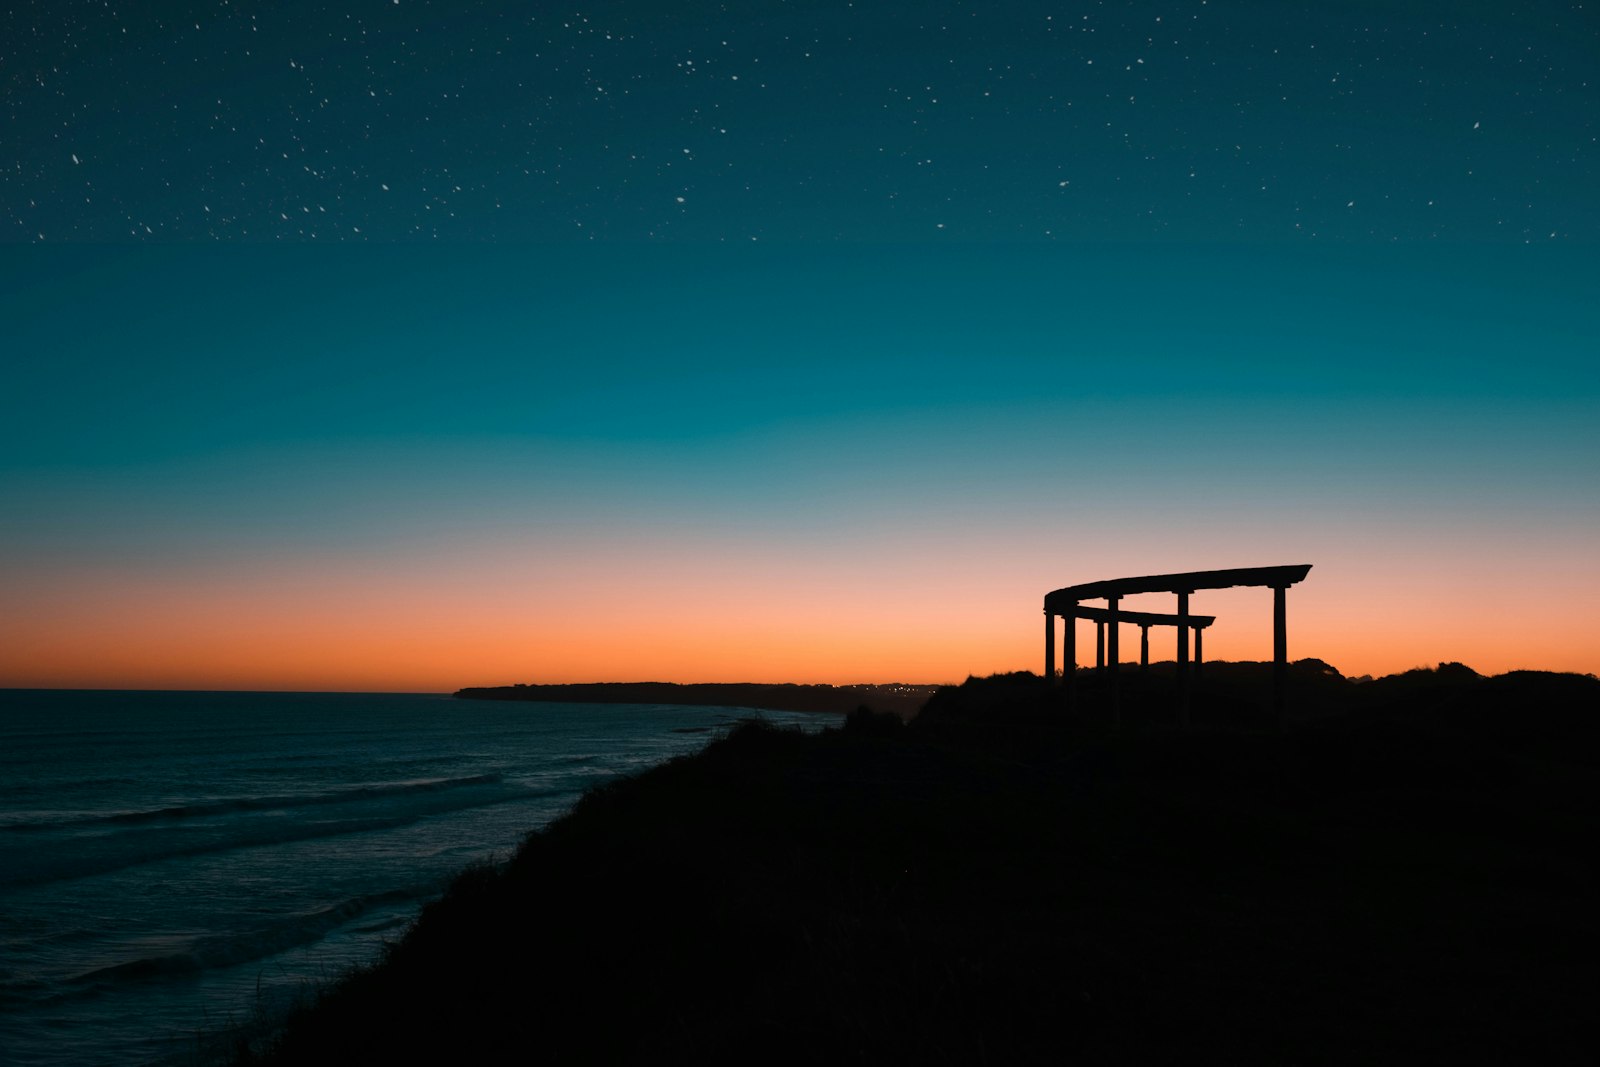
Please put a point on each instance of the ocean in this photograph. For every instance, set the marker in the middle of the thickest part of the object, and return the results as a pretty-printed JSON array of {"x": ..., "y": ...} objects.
[{"x": 176, "y": 865}]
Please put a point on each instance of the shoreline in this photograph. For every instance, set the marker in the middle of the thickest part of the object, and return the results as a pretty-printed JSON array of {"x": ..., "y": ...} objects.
[{"x": 1397, "y": 878}]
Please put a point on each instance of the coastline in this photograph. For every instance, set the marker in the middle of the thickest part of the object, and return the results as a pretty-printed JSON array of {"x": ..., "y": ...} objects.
[{"x": 1399, "y": 881}]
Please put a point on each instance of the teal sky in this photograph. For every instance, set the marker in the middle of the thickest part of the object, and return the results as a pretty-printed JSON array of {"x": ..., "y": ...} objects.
[
  {"x": 643, "y": 324},
  {"x": 134, "y": 356},
  {"x": 944, "y": 433}
]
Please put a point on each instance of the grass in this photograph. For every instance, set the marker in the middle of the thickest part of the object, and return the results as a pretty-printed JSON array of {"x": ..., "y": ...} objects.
[{"x": 1399, "y": 878}]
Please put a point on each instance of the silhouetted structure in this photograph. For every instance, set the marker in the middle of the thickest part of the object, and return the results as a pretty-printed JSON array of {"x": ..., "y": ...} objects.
[
  {"x": 1066, "y": 603},
  {"x": 1142, "y": 619}
]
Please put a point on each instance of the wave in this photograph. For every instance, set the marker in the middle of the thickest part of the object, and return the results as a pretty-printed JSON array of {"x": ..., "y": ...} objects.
[
  {"x": 230, "y": 805},
  {"x": 218, "y": 951},
  {"x": 67, "y": 859},
  {"x": 68, "y": 785}
]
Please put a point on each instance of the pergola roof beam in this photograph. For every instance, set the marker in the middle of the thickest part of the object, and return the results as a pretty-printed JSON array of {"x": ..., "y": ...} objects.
[
  {"x": 1140, "y": 618},
  {"x": 1186, "y": 582}
]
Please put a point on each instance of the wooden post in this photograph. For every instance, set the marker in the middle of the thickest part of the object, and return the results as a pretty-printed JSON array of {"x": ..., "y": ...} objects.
[
  {"x": 1280, "y": 649},
  {"x": 1114, "y": 659},
  {"x": 1183, "y": 657},
  {"x": 1183, "y": 634},
  {"x": 1199, "y": 653},
  {"x": 1069, "y": 648},
  {"x": 1113, "y": 644},
  {"x": 1100, "y": 647},
  {"x": 1144, "y": 646},
  {"x": 1049, "y": 647}
]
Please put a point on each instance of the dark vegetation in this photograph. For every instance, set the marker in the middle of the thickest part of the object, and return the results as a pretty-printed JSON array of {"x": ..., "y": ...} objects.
[
  {"x": 903, "y": 700},
  {"x": 1401, "y": 876}
]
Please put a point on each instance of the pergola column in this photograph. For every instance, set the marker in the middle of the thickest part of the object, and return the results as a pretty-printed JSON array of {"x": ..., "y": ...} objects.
[
  {"x": 1100, "y": 647},
  {"x": 1183, "y": 656},
  {"x": 1280, "y": 648},
  {"x": 1050, "y": 645},
  {"x": 1144, "y": 646},
  {"x": 1069, "y": 647},
  {"x": 1199, "y": 653},
  {"x": 1114, "y": 656},
  {"x": 1183, "y": 634},
  {"x": 1113, "y": 645}
]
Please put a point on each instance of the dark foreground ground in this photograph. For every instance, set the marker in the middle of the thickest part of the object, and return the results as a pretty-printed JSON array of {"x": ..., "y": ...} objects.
[{"x": 1401, "y": 877}]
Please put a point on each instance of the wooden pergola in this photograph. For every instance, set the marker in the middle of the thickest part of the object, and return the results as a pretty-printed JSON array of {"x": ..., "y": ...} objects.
[{"x": 1067, "y": 604}]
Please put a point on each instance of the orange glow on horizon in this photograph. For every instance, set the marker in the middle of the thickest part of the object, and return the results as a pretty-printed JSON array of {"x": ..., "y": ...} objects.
[{"x": 492, "y": 618}]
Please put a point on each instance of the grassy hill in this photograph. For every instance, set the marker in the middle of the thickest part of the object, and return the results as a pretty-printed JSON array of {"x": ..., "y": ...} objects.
[{"x": 1401, "y": 876}]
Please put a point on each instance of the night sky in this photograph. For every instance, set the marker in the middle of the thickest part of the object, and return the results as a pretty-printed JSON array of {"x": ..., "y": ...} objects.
[
  {"x": 813, "y": 121},
  {"x": 787, "y": 341}
]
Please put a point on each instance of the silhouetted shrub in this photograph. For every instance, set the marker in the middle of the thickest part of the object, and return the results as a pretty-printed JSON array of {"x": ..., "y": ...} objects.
[
  {"x": 1018, "y": 697},
  {"x": 868, "y": 723}
]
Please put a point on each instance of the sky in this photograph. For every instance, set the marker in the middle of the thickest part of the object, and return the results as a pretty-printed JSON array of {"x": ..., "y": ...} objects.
[{"x": 408, "y": 346}]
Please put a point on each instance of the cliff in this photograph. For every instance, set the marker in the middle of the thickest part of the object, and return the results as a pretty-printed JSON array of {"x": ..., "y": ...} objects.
[{"x": 1400, "y": 880}]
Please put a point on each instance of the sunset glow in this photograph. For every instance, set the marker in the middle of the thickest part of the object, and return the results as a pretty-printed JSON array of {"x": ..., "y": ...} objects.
[{"x": 864, "y": 493}]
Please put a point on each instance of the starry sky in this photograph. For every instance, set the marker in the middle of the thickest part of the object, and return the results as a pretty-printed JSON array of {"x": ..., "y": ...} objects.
[
  {"x": 407, "y": 345},
  {"x": 814, "y": 120}
]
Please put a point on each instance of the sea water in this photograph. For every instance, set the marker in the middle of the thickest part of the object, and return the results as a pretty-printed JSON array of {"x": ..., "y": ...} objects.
[{"x": 174, "y": 866}]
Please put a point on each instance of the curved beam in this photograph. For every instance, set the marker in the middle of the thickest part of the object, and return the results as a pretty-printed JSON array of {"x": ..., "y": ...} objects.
[
  {"x": 1185, "y": 582},
  {"x": 1140, "y": 618}
]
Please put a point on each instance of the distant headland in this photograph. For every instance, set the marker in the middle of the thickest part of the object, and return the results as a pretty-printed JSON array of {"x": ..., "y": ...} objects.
[{"x": 899, "y": 699}]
